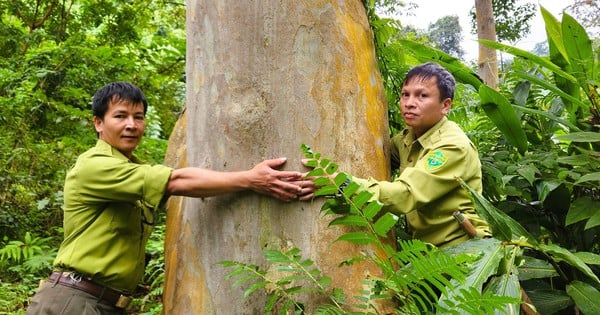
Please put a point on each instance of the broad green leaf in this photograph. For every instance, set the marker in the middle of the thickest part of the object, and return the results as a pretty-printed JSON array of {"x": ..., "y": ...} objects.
[
  {"x": 581, "y": 209},
  {"x": 349, "y": 220},
  {"x": 425, "y": 53},
  {"x": 576, "y": 160},
  {"x": 530, "y": 56},
  {"x": 503, "y": 226},
  {"x": 592, "y": 177},
  {"x": 545, "y": 84},
  {"x": 549, "y": 301},
  {"x": 534, "y": 268},
  {"x": 506, "y": 285},
  {"x": 579, "y": 48},
  {"x": 593, "y": 221},
  {"x": 490, "y": 253},
  {"x": 503, "y": 115},
  {"x": 586, "y": 297},
  {"x": 584, "y": 136},
  {"x": 588, "y": 258},
  {"x": 528, "y": 172},
  {"x": 562, "y": 254},
  {"x": 521, "y": 92},
  {"x": 554, "y": 32},
  {"x": 385, "y": 223},
  {"x": 555, "y": 197},
  {"x": 360, "y": 238}
]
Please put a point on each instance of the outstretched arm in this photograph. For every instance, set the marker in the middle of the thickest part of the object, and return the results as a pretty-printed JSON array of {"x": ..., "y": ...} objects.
[{"x": 262, "y": 178}]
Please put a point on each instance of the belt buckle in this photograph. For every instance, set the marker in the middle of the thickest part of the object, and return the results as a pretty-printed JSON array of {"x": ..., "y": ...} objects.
[{"x": 123, "y": 301}]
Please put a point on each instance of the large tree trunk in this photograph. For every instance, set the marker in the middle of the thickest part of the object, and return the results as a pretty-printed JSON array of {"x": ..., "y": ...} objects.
[
  {"x": 263, "y": 78},
  {"x": 486, "y": 29}
]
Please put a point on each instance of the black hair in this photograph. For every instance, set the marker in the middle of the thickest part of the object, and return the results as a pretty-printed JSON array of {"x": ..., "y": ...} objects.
[
  {"x": 445, "y": 80},
  {"x": 116, "y": 91}
]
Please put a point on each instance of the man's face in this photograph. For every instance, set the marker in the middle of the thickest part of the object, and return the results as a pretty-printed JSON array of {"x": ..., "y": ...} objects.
[
  {"x": 123, "y": 126},
  {"x": 421, "y": 105}
]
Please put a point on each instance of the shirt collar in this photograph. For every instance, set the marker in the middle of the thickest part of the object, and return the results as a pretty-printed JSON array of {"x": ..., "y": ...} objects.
[
  {"x": 106, "y": 148},
  {"x": 430, "y": 136}
]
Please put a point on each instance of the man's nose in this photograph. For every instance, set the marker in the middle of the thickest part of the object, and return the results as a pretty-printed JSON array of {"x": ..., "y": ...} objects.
[{"x": 130, "y": 122}]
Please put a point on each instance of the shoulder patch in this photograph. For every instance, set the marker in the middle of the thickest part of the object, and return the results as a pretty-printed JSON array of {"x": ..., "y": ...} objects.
[{"x": 435, "y": 160}]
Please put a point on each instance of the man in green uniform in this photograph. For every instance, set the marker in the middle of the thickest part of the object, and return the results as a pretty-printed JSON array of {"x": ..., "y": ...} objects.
[
  {"x": 110, "y": 200},
  {"x": 430, "y": 154}
]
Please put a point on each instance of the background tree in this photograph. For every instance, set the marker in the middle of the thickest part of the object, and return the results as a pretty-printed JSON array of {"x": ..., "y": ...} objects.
[
  {"x": 263, "y": 78},
  {"x": 447, "y": 34},
  {"x": 486, "y": 29},
  {"x": 512, "y": 19}
]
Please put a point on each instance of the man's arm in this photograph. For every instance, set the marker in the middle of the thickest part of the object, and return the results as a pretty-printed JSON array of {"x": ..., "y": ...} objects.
[{"x": 263, "y": 179}]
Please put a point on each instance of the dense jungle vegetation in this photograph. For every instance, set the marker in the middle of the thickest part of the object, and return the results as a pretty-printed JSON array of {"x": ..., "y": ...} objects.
[{"x": 537, "y": 134}]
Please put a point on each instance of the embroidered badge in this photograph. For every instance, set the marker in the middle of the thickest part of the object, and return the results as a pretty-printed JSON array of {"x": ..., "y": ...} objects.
[{"x": 435, "y": 160}]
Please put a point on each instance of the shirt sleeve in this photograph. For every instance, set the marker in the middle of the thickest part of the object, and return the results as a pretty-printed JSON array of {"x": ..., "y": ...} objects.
[
  {"x": 115, "y": 180},
  {"x": 432, "y": 177}
]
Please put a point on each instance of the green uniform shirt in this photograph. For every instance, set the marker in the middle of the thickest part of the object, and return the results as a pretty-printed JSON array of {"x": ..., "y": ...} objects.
[
  {"x": 109, "y": 204},
  {"x": 427, "y": 190}
]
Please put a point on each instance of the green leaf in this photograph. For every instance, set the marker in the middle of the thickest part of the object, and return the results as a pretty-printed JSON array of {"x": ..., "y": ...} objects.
[
  {"x": 588, "y": 258},
  {"x": 361, "y": 198},
  {"x": 506, "y": 285},
  {"x": 349, "y": 220},
  {"x": 385, "y": 223},
  {"x": 503, "y": 115},
  {"x": 549, "y": 301},
  {"x": 489, "y": 252},
  {"x": 530, "y": 56},
  {"x": 592, "y": 177},
  {"x": 585, "y": 136},
  {"x": 593, "y": 221},
  {"x": 360, "y": 238},
  {"x": 586, "y": 297},
  {"x": 579, "y": 49},
  {"x": 554, "y": 32},
  {"x": 555, "y": 197},
  {"x": 255, "y": 287},
  {"x": 425, "y": 53},
  {"x": 503, "y": 226},
  {"x": 328, "y": 190},
  {"x": 581, "y": 209},
  {"x": 372, "y": 209},
  {"x": 562, "y": 254},
  {"x": 534, "y": 268},
  {"x": 528, "y": 172}
]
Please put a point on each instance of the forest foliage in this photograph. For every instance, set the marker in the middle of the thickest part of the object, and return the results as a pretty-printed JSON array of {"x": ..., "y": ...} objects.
[{"x": 538, "y": 138}]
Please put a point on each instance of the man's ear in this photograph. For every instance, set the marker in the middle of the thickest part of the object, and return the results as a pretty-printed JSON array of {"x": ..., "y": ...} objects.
[
  {"x": 98, "y": 124},
  {"x": 446, "y": 105}
]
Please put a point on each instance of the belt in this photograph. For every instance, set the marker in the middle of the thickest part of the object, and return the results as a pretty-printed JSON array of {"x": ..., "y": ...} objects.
[{"x": 76, "y": 281}]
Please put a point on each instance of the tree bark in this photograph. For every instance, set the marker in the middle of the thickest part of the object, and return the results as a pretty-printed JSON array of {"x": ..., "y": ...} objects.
[
  {"x": 263, "y": 77},
  {"x": 486, "y": 29}
]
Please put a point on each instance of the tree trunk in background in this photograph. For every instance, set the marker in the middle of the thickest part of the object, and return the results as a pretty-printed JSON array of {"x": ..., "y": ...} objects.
[
  {"x": 263, "y": 77},
  {"x": 486, "y": 29}
]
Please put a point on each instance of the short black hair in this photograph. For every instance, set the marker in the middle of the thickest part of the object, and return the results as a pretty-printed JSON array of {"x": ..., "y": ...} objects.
[
  {"x": 116, "y": 91},
  {"x": 445, "y": 80}
]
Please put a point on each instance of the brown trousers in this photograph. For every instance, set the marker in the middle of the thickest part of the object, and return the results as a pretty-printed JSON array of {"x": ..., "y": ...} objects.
[{"x": 56, "y": 299}]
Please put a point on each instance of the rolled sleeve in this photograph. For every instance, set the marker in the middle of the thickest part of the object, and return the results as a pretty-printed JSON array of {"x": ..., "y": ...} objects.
[{"x": 155, "y": 183}]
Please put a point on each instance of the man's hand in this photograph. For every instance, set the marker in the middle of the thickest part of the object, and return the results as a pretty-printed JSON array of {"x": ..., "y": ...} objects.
[{"x": 265, "y": 179}]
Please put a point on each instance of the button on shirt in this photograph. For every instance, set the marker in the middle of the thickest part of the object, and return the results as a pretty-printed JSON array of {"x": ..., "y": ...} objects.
[
  {"x": 427, "y": 190},
  {"x": 109, "y": 205}
]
